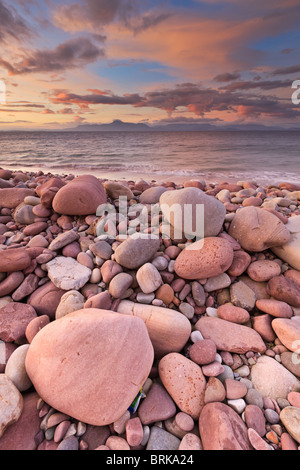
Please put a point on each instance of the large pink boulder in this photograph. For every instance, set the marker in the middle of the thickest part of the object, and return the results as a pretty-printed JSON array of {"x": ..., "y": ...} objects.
[
  {"x": 82, "y": 196},
  {"x": 204, "y": 259},
  {"x": 14, "y": 259},
  {"x": 257, "y": 230},
  {"x": 230, "y": 336},
  {"x": 221, "y": 428},
  {"x": 91, "y": 364}
]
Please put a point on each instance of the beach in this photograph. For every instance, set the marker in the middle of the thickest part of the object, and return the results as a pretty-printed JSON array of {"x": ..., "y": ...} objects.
[{"x": 149, "y": 312}]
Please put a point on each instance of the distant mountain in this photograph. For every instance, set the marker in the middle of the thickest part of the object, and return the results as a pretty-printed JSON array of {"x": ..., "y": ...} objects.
[{"x": 120, "y": 126}]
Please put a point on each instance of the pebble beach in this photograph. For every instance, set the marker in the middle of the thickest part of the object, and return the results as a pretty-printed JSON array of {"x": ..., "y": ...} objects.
[{"x": 149, "y": 342}]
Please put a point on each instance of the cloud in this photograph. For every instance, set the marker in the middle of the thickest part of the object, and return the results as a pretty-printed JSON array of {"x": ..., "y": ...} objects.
[
  {"x": 263, "y": 85},
  {"x": 12, "y": 25},
  {"x": 194, "y": 98},
  {"x": 227, "y": 77},
  {"x": 292, "y": 69},
  {"x": 70, "y": 54}
]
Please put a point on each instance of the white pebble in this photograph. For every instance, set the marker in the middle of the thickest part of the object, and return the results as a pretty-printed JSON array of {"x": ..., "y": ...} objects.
[
  {"x": 196, "y": 336},
  {"x": 238, "y": 405},
  {"x": 212, "y": 312}
]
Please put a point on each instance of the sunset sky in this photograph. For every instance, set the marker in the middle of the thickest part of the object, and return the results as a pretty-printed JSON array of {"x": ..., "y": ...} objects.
[{"x": 93, "y": 61}]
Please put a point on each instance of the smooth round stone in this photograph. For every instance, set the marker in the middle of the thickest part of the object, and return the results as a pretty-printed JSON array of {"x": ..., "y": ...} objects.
[
  {"x": 15, "y": 368},
  {"x": 46, "y": 299},
  {"x": 41, "y": 211},
  {"x": 257, "y": 442},
  {"x": 237, "y": 405},
  {"x": 221, "y": 428},
  {"x": 255, "y": 419},
  {"x": 11, "y": 404},
  {"x": 271, "y": 416},
  {"x": 165, "y": 293},
  {"x": 148, "y": 278},
  {"x": 65, "y": 354},
  {"x": 71, "y": 250},
  {"x": 15, "y": 259},
  {"x": 184, "y": 422},
  {"x": 134, "y": 432},
  {"x": 95, "y": 276},
  {"x": 160, "y": 263},
  {"x": 102, "y": 249},
  {"x": 11, "y": 283},
  {"x": 253, "y": 397},
  {"x": 117, "y": 443},
  {"x": 85, "y": 260},
  {"x": 71, "y": 301},
  {"x": 102, "y": 301},
  {"x": 181, "y": 217},
  {"x": 218, "y": 282},
  {"x": 190, "y": 442},
  {"x": 12, "y": 197},
  {"x": 284, "y": 289},
  {"x": 115, "y": 190},
  {"x": 294, "y": 399},
  {"x": 81, "y": 196},
  {"x": 152, "y": 195},
  {"x": 198, "y": 293},
  {"x": 145, "y": 298},
  {"x": 184, "y": 381},
  {"x": 204, "y": 259},
  {"x": 263, "y": 325},
  {"x": 233, "y": 314},
  {"x": 119, "y": 285},
  {"x": 23, "y": 214},
  {"x": 263, "y": 270},
  {"x": 257, "y": 230},
  {"x": 203, "y": 352},
  {"x": 287, "y": 442},
  {"x": 38, "y": 240},
  {"x": 213, "y": 370},
  {"x": 291, "y": 361},
  {"x": 34, "y": 229},
  {"x": 290, "y": 417},
  {"x": 187, "y": 310},
  {"x": 243, "y": 296},
  {"x": 134, "y": 252},
  {"x": 276, "y": 308},
  {"x": 69, "y": 443},
  {"x": 215, "y": 391},
  {"x": 272, "y": 379}
]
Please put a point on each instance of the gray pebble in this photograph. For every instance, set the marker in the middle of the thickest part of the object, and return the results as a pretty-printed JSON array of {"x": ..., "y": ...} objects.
[
  {"x": 70, "y": 443},
  {"x": 253, "y": 397},
  {"x": 271, "y": 416}
]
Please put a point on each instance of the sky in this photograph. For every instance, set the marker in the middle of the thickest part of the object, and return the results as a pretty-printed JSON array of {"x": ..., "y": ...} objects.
[{"x": 156, "y": 62}]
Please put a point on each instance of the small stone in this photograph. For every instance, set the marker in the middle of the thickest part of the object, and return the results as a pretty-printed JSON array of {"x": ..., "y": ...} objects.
[
  {"x": 68, "y": 274},
  {"x": 203, "y": 352},
  {"x": 233, "y": 314},
  {"x": 257, "y": 442},
  {"x": 157, "y": 406},
  {"x": 276, "y": 308},
  {"x": 287, "y": 442},
  {"x": 187, "y": 310},
  {"x": 69, "y": 443},
  {"x": 218, "y": 282},
  {"x": 254, "y": 418},
  {"x": 213, "y": 370},
  {"x": 253, "y": 397},
  {"x": 14, "y": 319},
  {"x": 119, "y": 426},
  {"x": 241, "y": 261},
  {"x": 162, "y": 440},
  {"x": 71, "y": 301},
  {"x": 184, "y": 422},
  {"x": 165, "y": 293},
  {"x": 235, "y": 389},
  {"x": 238, "y": 405},
  {"x": 148, "y": 278},
  {"x": 271, "y": 416},
  {"x": 134, "y": 252},
  {"x": 190, "y": 442},
  {"x": 117, "y": 443},
  {"x": 242, "y": 296},
  {"x": 263, "y": 270},
  {"x": 63, "y": 240},
  {"x": 288, "y": 331},
  {"x": 119, "y": 285},
  {"x": 134, "y": 432},
  {"x": 294, "y": 399},
  {"x": 215, "y": 391}
]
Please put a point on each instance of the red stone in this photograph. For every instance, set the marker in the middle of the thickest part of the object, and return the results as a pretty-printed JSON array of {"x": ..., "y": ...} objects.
[
  {"x": 14, "y": 318},
  {"x": 14, "y": 259}
]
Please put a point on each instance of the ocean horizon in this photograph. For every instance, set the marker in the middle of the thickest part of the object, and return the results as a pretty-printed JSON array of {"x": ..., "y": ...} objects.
[{"x": 263, "y": 156}]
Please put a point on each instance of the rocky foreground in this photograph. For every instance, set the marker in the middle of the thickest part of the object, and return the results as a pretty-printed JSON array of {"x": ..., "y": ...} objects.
[{"x": 152, "y": 343}]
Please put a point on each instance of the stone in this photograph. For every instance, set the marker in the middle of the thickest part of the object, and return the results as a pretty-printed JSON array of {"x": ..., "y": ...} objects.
[
  {"x": 119, "y": 285},
  {"x": 102, "y": 301},
  {"x": 65, "y": 354},
  {"x": 14, "y": 259},
  {"x": 157, "y": 406},
  {"x": 67, "y": 273},
  {"x": 288, "y": 331},
  {"x": 257, "y": 442},
  {"x": 148, "y": 278},
  {"x": 263, "y": 270},
  {"x": 221, "y": 428},
  {"x": 215, "y": 391},
  {"x": 291, "y": 361},
  {"x": 136, "y": 251},
  {"x": 213, "y": 369},
  {"x": 263, "y": 325},
  {"x": 35, "y": 326},
  {"x": 190, "y": 442},
  {"x": 259, "y": 288},
  {"x": 209, "y": 225},
  {"x": 134, "y": 432},
  {"x": 14, "y": 318},
  {"x": 290, "y": 417},
  {"x": 15, "y": 368},
  {"x": 257, "y": 230},
  {"x": 230, "y": 336},
  {"x": 233, "y": 314},
  {"x": 23, "y": 214},
  {"x": 165, "y": 293},
  {"x": 276, "y": 308},
  {"x": 160, "y": 439},
  {"x": 198, "y": 293},
  {"x": 102, "y": 249},
  {"x": 289, "y": 252},
  {"x": 284, "y": 289},
  {"x": 287, "y": 442},
  {"x": 71, "y": 301},
  {"x": 240, "y": 263},
  {"x": 271, "y": 379},
  {"x": 294, "y": 399},
  {"x": 38, "y": 240},
  {"x": 237, "y": 405},
  {"x": 152, "y": 195},
  {"x": 109, "y": 269},
  {"x": 72, "y": 250},
  {"x": 294, "y": 275},
  {"x": 272, "y": 416},
  {"x": 96, "y": 436},
  {"x": 184, "y": 381},
  {"x": 28, "y": 286},
  {"x": 35, "y": 229},
  {"x": 81, "y": 196},
  {"x": 115, "y": 190},
  {"x": 203, "y": 352},
  {"x": 204, "y": 259},
  {"x": 218, "y": 282},
  {"x": 168, "y": 329},
  {"x": 235, "y": 389},
  {"x": 11, "y": 283},
  {"x": 242, "y": 296},
  {"x": 21, "y": 435},
  {"x": 255, "y": 419},
  {"x": 13, "y": 197},
  {"x": 69, "y": 443},
  {"x": 63, "y": 239},
  {"x": 46, "y": 299},
  {"x": 11, "y": 404}
]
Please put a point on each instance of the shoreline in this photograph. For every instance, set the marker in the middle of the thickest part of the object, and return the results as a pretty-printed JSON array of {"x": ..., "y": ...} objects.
[{"x": 145, "y": 343}]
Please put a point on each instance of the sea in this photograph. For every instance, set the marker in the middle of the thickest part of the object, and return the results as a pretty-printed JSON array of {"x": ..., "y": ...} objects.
[{"x": 262, "y": 156}]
